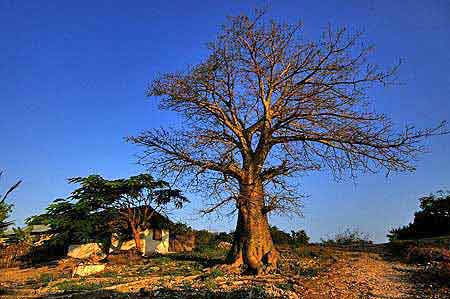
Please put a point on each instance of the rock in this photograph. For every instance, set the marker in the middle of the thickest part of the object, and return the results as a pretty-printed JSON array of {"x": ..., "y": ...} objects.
[
  {"x": 90, "y": 251},
  {"x": 127, "y": 245},
  {"x": 291, "y": 295},
  {"x": 224, "y": 245},
  {"x": 85, "y": 270}
]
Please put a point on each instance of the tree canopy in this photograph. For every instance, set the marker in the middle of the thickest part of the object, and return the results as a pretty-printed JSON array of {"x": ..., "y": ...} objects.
[
  {"x": 269, "y": 101},
  {"x": 265, "y": 105},
  {"x": 100, "y": 207},
  {"x": 432, "y": 220}
]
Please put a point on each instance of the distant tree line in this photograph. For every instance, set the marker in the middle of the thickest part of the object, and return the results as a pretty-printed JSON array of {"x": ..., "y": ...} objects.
[
  {"x": 432, "y": 220},
  {"x": 205, "y": 238}
]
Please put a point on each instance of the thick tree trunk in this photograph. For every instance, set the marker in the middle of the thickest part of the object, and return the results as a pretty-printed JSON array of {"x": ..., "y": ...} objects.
[{"x": 252, "y": 247}]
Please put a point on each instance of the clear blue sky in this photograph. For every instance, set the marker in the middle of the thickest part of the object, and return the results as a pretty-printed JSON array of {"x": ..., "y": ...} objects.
[{"x": 73, "y": 76}]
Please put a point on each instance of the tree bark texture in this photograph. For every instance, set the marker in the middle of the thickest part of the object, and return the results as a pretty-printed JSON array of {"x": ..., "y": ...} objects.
[{"x": 252, "y": 244}]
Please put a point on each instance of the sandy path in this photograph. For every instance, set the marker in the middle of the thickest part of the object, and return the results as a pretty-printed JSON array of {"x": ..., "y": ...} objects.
[
  {"x": 353, "y": 275},
  {"x": 363, "y": 275}
]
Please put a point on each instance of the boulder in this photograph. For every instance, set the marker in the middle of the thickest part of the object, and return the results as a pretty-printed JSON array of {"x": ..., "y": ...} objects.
[
  {"x": 127, "y": 245},
  {"x": 90, "y": 251},
  {"x": 86, "y": 270},
  {"x": 224, "y": 245}
]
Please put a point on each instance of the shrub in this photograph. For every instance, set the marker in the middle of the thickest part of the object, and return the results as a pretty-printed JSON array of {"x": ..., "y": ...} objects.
[
  {"x": 427, "y": 254},
  {"x": 432, "y": 220},
  {"x": 348, "y": 237},
  {"x": 299, "y": 238},
  {"x": 179, "y": 228},
  {"x": 279, "y": 237},
  {"x": 296, "y": 238},
  {"x": 206, "y": 240},
  {"x": 216, "y": 272}
]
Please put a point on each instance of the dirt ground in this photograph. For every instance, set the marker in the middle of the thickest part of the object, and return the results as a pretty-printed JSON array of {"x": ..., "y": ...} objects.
[{"x": 320, "y": 274}]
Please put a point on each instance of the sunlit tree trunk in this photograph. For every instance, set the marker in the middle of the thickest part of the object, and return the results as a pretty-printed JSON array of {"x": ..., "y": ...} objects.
[
  {"x": 252, "y": 244},
  {"x": 136, "y": 236},
  {"x": 266, "y": 105}
]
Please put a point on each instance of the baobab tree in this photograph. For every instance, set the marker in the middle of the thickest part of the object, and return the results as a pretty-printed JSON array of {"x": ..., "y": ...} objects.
[{"x": 266, "y": 105}]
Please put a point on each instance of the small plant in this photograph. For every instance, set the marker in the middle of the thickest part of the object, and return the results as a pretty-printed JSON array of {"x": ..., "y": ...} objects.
[
  {"x": 107, "y": 274},
  {"x": 80, "y": 285},
  {"x": 310, "y": 272},
  {"x": 161, "y": 282},
  {"x": 186, "y": 285},
  {"x": 424, "y": 255},
  {"x": 46, "y": 278},
  {"x": 210, "y": 284},
  {"x": 30, "y": 281},
  {"x": 286, "y": 286},
  {"x": 216, "y": 272},
  {"x": 257, "y": 291}
]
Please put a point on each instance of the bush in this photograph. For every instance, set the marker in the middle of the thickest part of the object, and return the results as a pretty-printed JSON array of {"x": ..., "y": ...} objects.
[
  {"x": 425, "y": 255},
  {"x": 348, "y": 237},
  {"x": 299, "y": 238},
  {"x": 206, "y": 240},
  {"x": 431, "y": 221},
  {"x": 279, "y": 237},
  {"x": 179, "y": 228},
  {"x": 296, "y": 238}
]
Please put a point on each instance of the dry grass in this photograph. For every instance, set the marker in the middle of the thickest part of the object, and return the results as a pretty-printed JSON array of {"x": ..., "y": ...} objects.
[{"x": 309, "y": 272}]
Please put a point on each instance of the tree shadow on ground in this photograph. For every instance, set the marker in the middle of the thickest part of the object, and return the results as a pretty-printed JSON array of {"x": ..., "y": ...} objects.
[
  {"x": 426, "y": 281},
  {"x": 164, "y": 293},
  {"x": 203, "y": 260}
]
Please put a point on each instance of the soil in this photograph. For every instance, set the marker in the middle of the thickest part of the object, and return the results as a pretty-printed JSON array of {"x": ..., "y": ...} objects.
[{"x": 323, "y": 273}]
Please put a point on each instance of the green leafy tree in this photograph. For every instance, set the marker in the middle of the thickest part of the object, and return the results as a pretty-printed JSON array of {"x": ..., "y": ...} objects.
[
  {"x": 6, "y": 208},
  {"x": 279, "y": 236},
  {"x": 135, "y": 200},
  {"x": 299, "y": 238},
  {"x": 100, "y": 207},
  {"x": 432, "y": 220},
  {"x": 75, "y": 222},
  {"x": 180, "y": 228}
]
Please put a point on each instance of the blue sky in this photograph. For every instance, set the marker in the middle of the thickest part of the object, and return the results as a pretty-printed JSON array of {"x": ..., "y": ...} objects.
[{"x": 73, "y": 76}]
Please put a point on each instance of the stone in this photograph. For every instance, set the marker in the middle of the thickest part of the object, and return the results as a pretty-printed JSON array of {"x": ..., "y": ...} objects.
[
  {"x": 90, "y": 251},
  {"x": 224, "y": 245},
  {"x": 128, "y": 245},
  {"x": 86, "y": 270}
]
